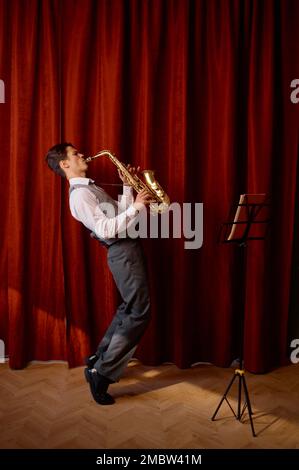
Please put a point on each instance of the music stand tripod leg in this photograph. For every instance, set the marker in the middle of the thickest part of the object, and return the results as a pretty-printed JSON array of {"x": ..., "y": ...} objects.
[
  {"x": 239, "y": 395},
  {"x": 224, "y": 397},
  {"x": 248, "y": 405}
]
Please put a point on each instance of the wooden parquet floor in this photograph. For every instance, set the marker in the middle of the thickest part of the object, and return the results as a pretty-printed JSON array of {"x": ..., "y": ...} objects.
[{"x": 48, "y": 405}]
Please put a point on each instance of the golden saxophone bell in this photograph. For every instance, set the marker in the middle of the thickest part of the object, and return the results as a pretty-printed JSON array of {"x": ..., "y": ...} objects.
[{"x": 162, "y": 201}]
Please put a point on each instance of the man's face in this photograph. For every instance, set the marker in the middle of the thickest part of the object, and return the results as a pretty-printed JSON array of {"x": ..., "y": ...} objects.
[{"x": 75, "y": 162}]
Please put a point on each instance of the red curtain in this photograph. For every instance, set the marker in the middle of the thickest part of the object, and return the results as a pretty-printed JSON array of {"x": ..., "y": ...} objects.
[{"x": 198, "y": 91}]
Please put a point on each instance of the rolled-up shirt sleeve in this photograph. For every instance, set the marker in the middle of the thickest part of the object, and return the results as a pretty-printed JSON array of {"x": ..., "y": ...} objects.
[{"x": 86, "y": 208}]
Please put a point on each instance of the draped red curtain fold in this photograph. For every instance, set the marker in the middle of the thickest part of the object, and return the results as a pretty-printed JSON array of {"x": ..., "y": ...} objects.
[{"x": 199, "y": 91}]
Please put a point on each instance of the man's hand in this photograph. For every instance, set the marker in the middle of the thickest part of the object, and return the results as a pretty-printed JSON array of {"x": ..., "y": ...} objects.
[
  {"x": 143, "y": 198},
  {"x": 131, "y": 170}
]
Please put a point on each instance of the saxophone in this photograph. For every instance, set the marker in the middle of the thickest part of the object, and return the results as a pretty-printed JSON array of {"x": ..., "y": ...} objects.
[{"x": 162, "y": 201}]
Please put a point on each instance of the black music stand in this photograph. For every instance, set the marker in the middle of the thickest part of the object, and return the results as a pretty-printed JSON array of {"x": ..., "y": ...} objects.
[{"x": 251, "y": 222}]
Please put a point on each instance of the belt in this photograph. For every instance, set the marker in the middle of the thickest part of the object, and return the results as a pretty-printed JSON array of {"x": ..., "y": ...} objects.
[{"x": 102, "y": 242}]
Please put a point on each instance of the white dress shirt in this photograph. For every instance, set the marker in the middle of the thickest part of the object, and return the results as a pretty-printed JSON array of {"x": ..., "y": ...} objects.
[{"x": 85, "y": 207}]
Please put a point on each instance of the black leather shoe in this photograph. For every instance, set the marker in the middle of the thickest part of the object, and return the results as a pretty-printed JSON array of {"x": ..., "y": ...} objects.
[
  {"x": 98, "y": 387},
  {"x": 91, "y": 360},
  {"x": 105, "y": 399}
]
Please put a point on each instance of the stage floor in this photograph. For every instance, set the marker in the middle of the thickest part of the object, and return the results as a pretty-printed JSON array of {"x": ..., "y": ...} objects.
[{"x": 48, "y": 405}]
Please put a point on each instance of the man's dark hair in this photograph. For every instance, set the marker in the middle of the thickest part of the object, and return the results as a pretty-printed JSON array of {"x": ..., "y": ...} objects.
[{"x": 55, "y": 155}]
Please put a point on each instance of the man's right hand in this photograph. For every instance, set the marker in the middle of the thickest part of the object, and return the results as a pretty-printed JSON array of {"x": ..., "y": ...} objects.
[{"x": 143, "y": 198}]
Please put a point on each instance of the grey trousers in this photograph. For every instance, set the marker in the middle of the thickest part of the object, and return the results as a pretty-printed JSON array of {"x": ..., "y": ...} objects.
[{"x": 127, "y": 265}]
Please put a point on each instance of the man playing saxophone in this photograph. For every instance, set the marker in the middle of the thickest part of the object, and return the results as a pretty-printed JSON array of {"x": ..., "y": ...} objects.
[{"x": 88, "y": 204}]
